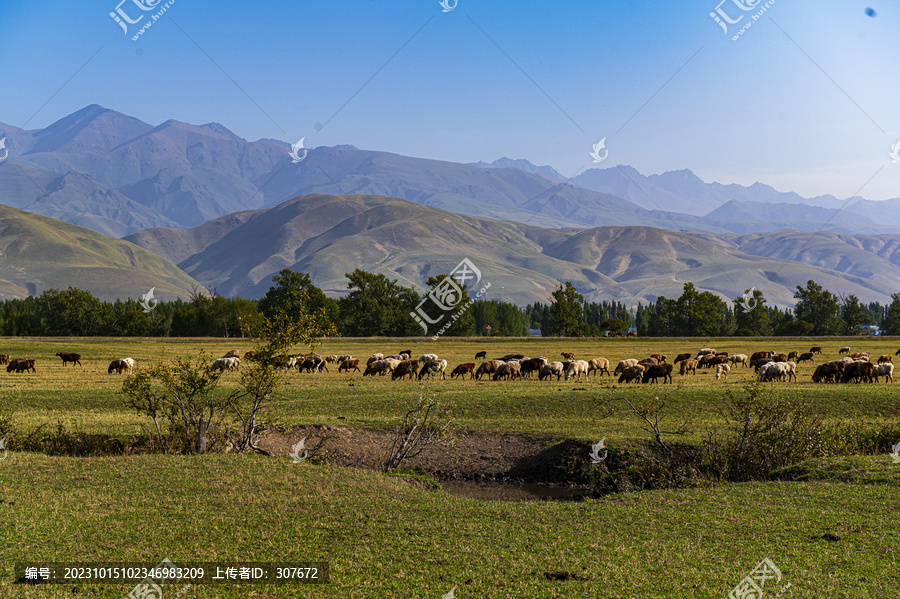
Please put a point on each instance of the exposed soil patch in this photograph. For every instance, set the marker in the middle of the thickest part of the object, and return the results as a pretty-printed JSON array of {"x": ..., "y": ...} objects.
[{"x": 476, "y": 455}]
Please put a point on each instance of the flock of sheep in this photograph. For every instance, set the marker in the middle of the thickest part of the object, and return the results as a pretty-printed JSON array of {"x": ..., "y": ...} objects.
[{"x": 770, "y": 365}]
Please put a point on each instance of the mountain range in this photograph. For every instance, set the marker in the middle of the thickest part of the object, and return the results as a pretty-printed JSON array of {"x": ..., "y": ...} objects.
[
  {"x": 117, "y": 175},
  {"x": 196, "y": 204}
]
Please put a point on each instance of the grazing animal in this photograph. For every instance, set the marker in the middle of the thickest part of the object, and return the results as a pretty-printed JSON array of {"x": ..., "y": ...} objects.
[
  {"x": 509, "y": 357},
  {"x": 844, "y": 350},
  {"x": 760, "y": 362},
  {"x": 623, "y": 364},
  {"x": 568, "y": 355},
  {"x": 313, "y": 364},
  {"x": 632, "y": 333},
  {"x": 348, "y": 364},
  {"x": 576, "y": 369},
  {"x": 250, "y": 355},
  {"x": 487, "y": 367},
  {"x": 631, "y": 373},
  {"x": 550, "y": 369},
  {"x": 859, "y": 372},
  {"x": 406, "y": 368},
  {"x": 807, "y": 357},
  {"x": 408, "y": 353},
  {"x": 434, "y": 367},
  {"x": 772, "y": 371},
  {"x": 722, "y": 371},
  {"x": 508, "y": 370},
  {"x": 463, "y": 369},
  {"x": 815, "y": 350},
  {"x": 375, "y": 357},
  {"x": 736, "y": 359},
  {"x": 331, "y": 359},
  {"x": 688, "y": 366},
  {"x": 218, "y": 364},
  {"x": 533, "y": 365},
  {"x": 660, "y": 358},
  {"x": 130, "y": 362},
  {"x": 233, "y": 354},
  {"x": 427, "y": 357},
  {"x": 653, "y": 373},
  {"x": 381, "y": 367},
  {"x": 600, "y": 365},
  {"x": 21, "y": 365},
  {"x": 481, "y": 354},
  {"x": 885, "y": 369},
  {"x": 117, "y": 365},
  {"x": 681, "y": 358},
  {"x": 885, "y": 358},
  {"x": 705, "y": 351},
  {"x": 782, "y": 357},
  {"x": 650, "y": 361},
  {"x": 864, "y": 355},
  {"x": 761, "y": 354},
  {"x": 793, "y": 356},
  {"x": 73, "y": 358}
]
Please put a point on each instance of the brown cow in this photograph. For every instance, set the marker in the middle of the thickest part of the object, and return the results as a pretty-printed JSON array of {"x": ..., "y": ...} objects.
[
  {"x": 348, "y": 364},
  {"x": 73, "y": 358},
  {"x": 463, "y": 369},
  {"x": 21, "y": 365}
]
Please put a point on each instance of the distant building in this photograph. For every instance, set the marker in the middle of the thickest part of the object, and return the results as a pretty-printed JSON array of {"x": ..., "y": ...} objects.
[{"x": 534, "y": 332}]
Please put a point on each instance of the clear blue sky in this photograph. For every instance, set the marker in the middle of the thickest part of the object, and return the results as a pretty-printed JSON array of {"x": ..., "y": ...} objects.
[{"x": 755, "y": 109}]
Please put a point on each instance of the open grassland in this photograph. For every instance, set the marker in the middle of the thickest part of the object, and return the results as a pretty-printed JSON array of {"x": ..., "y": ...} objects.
[
  {"x": 88, "y": 399},
  {"x": 386, "y": 538}
]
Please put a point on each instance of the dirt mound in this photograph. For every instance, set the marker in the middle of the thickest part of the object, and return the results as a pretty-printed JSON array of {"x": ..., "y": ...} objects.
[{"x": 476, "y": 455}]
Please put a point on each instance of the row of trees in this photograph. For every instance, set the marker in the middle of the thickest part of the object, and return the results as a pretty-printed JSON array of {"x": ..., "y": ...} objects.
[{"x": 374, "y": 306}]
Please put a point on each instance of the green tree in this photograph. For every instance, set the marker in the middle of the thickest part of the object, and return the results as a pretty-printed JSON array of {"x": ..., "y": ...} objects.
[
  {"x": 751, "y": 315},
  {"x": 854, "y": 315},
  {"x": 294, "y": 293},
  {"x": 565, "y": 311},
  {"x": 464, "y": 326},
  {"x": 377, "y": 306},
  {"x": 615, "y": 325},
  {"x": 819, "y": 308},
  {"x": 661, "y": 322},
  {"x": 71, "y": 312},
  {"x": 891, "y": 323}
]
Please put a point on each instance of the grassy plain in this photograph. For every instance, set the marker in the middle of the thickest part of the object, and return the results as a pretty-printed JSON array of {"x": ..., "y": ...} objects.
[{"x": 385, "y": 538}]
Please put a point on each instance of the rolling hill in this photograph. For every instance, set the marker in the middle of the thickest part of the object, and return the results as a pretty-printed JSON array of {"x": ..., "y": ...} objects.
[
  {"x": 39, "y": 253},
  {"x": 328, "y": 236}
]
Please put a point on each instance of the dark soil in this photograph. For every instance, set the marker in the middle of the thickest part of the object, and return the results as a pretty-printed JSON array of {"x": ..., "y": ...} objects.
[{"x": 476, "y": 455}]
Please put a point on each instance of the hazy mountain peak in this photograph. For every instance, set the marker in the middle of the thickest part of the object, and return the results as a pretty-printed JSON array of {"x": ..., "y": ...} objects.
[{"x": 522, "y": 165}]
